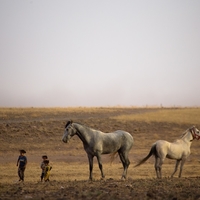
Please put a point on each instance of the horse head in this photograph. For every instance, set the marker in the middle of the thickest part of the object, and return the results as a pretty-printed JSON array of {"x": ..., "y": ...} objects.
[
  {"x": 195, "y": 133},
  {"x": 69, "y": 132}
]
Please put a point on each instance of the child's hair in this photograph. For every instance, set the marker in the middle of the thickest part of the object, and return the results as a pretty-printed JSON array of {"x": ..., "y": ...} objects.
[
  {"x": 22, "y": 151},
  {"x": 44, "y": 157},
  {"x": 46, "y": 161}
]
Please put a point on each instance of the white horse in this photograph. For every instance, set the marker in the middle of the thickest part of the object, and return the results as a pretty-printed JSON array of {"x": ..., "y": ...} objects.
[
  {"x": 96, "y": 143},
  {"x": 179, "y": 150}
]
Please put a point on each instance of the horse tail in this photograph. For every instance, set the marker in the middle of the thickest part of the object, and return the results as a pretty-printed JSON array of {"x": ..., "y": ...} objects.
[
  {"x": 113, "y": 156},
  {"x": 152, "y": 152}
]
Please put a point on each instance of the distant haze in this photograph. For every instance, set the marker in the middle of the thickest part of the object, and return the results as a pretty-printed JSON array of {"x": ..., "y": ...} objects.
[{"x": 99, "y": 53}]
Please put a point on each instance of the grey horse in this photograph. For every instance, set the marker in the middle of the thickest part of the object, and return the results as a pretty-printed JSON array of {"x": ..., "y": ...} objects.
[
  {"x": 179, "y": 150},
  {"x": 96, "y": 143}
]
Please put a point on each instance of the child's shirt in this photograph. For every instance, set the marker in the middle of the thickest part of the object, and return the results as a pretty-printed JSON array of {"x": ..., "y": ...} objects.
[
  {"x": 22, "y": 160},
  {"x": 47, "y": 172},
  {"x": 47, "y": 168},
  {"x": 42, "y": 166}
]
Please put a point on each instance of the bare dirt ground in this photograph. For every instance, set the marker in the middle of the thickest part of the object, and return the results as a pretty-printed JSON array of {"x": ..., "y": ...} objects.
[{"x": 39, "y": 132}]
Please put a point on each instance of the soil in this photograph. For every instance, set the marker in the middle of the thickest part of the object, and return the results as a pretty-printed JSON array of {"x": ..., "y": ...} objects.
[{"x": 41, "y": 134}]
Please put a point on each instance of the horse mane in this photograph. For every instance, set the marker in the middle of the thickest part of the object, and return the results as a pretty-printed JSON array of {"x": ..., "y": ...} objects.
[
  {"x": 82, "y": 125},
  {"x": 184, "y": 133},
  {"x": 70, "y": 122},
  {"x": 87, "y": 127}
]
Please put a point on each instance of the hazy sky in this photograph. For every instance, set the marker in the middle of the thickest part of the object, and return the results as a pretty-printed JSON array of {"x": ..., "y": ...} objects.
[{"x": 99, "y": 53}]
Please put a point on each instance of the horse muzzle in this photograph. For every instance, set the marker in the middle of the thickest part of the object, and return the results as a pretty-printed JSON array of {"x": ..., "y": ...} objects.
[{"x": 65, "y": 140}]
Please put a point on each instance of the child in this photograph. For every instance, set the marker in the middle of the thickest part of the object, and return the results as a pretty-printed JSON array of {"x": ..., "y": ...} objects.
[
  {"x": 43, "y": 166},
  {"x": 47, "y": 170},
  {"x": 21, "y": 163}
]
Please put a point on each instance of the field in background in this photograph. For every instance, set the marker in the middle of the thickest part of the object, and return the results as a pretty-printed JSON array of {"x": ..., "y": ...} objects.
[
  {"x": 39, "y": 131},
  {"x": 173, "y": 115}
]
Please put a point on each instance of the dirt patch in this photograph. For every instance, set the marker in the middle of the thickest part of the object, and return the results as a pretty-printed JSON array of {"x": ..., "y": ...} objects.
[{"x": 183, "y": 188}]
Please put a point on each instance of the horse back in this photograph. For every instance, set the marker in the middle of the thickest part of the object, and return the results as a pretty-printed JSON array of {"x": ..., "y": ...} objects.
[
  {"x": 175, "y": 150},
  {"x": 112, "y": 142},
  {"x": 127, "y": 138}
]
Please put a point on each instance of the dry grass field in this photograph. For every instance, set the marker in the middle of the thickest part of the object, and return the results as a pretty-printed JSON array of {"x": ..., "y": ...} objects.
[{"x": 39, "y": 131}]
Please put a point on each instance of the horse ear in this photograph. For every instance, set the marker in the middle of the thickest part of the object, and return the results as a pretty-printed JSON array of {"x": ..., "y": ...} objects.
[
  {"x": 71, "y": 121},
  {"x": 192, "y": 129},
  {"x": 67, "y": 124}
]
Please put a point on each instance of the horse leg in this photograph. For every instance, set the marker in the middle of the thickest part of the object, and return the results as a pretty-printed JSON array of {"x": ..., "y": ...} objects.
[
  {"x": 90, "y": 159},
  {"x": 125, "y": 161},
  {"x": 158, "y": 166},
  {"x": 176, "y": 167},
  {"x": 181, "y": 167},
  {"x": 100, "y": 165}
]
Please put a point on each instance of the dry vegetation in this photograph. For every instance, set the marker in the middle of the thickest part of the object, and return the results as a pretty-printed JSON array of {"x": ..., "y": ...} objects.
[
  {"x": 39, "y": 131},
  {"x": 179, "y": 116}
]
